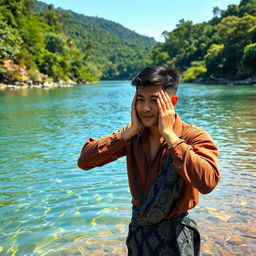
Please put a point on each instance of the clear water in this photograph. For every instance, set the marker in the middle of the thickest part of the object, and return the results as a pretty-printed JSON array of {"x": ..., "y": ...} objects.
[{"x": 48, "y": 206}]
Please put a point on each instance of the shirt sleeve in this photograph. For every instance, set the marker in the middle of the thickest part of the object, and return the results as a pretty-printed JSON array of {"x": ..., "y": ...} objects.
[
  {"x": 195, "y": 158},
  {"x": 102, "y": 151}
]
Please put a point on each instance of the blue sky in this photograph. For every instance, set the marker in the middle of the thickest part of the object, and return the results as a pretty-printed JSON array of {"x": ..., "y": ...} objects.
[{"x": 146, "y": 17}]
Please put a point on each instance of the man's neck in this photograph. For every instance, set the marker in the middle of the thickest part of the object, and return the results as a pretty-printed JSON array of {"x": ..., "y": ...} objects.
[{"x": 154, "y": 133}]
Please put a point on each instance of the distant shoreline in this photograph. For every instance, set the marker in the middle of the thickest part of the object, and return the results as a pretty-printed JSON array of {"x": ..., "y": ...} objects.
[
  {"x": 50, "y": 85},
  {"x": 224, "y": 81},
  {"x": 46, "y": 85}
]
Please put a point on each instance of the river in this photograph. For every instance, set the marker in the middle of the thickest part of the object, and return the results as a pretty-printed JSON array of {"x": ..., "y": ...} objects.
[{"x": 48, "y": 206}]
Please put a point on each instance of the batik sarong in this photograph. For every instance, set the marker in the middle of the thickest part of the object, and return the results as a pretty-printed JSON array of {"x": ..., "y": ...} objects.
[{"x": 150, "y": 234}]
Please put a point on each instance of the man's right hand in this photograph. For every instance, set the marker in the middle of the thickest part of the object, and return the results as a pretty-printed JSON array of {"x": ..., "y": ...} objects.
[{"x": 135, "y": 124}]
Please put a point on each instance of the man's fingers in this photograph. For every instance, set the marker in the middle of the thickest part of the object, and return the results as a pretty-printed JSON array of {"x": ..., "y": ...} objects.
[
  {"x": 166, "y": 99},
  {"x": 159, "y": 104},
  {"x": 169, "y": 99},
  {"x": 160, "y": 107},
  {"x": 164, "y": 96},
  {"x": 134, "y": 101},
  {"x": 163, "y": 104}
]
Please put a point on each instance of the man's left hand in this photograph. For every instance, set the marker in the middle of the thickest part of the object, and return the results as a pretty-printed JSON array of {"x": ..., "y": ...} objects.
[{"x": 166, "y": 117}]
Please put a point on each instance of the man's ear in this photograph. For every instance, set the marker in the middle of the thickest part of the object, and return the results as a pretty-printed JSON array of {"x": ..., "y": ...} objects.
[{"x": 174, "y": 100}]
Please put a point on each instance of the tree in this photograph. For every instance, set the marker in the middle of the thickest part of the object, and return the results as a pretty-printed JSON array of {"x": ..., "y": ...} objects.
[
  {"x": 249, "y": 58},
  {"x": 14, "y": 10},
  {"x": 214, "y": 59},
  {"x": 235, "y": 33},
  {"x": 216, "y": 12},
  {"x": 233, "y": 10},
  {"x": 55, "y": 43},
  {"x": 10, "y": 41},
  {"x": 89, "y": 46},
  {"x": 47, "y": 63},
  {"x": 184, "y": 44},
  {"x": 53, "y": 18},
  {"x": 247, "y": 6},
  {"x": 161, "y": 58}
]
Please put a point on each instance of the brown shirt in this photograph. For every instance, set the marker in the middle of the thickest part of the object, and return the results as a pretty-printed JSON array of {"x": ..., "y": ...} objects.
[{"x": 194, "y": 156}]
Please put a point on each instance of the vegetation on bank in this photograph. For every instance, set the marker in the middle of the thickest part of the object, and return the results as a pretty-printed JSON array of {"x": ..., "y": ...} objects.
[
  {"x": 40, "y": 44},
  {"x": 223, "y": 48}
]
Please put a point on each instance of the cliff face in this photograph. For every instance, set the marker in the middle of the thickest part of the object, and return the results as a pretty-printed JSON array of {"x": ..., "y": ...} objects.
[
  {"x": 17, "y": 76},
  {"x": 16, "y": 72},
  {"x": 20, "y": 74}
]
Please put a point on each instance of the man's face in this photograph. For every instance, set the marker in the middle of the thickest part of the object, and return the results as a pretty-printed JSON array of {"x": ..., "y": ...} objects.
[{"x": 146, "y": 104}]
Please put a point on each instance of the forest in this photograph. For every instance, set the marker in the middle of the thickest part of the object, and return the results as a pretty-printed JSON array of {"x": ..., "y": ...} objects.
[
  {"x": 40, "y": 43},
  {"x": 220, "y": 50}
]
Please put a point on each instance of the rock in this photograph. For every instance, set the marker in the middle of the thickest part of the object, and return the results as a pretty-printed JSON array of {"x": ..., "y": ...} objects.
[
  {"x": 97, "y": 253},
  {"x": 3, "y": 86},
  {"x": 105, "y": 233},
  {"x": 208, "y": 253},
  {"x": 235, "y": 240},
  {"x": 47, "y": 84},
  {"x": 247, "y": 81},
  {"x": 119, "y": 251}
]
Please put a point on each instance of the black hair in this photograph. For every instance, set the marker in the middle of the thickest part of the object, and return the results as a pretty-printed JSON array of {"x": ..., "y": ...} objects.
[{"x": 169, "y": 77}]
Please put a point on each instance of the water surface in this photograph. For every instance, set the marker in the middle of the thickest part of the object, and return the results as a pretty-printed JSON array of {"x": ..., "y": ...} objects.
[{"x": 48, "y": 206}]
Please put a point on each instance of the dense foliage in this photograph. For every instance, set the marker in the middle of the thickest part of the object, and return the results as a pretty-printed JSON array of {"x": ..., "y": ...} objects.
[
  {"x": 224, "y": 47},
  {"x": 40, "y": 43},
  {"x": 62, "y": 45},
  {"x": 119, "y": 52}
]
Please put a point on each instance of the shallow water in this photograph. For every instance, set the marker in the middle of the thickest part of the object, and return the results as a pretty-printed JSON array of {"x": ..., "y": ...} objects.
[{"x": 48, "y": 206}]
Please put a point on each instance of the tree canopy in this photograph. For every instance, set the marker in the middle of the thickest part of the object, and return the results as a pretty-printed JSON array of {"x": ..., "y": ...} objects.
[{"x": 223, "y": 47}]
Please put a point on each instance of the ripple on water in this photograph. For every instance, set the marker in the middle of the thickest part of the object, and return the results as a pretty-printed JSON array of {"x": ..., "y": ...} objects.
[{"x": 50, "y": 207}]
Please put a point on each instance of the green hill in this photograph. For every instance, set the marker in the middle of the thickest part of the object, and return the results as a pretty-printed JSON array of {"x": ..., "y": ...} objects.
[
  {"x": 39, "y": 42},
  {"x": 117, "y": 51}
]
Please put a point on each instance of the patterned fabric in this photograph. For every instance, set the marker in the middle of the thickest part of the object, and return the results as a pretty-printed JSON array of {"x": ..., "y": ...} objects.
[{"x": 149, "y": 233}]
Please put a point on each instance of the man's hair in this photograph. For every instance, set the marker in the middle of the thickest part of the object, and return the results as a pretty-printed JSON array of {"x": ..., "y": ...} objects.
[{"x": 163, "y": 75}]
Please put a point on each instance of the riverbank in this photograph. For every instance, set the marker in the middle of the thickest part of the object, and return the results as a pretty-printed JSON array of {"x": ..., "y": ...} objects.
[
  {"x": 46, "y": 85},
  {"x": 13, "y": 85},
  {"x": 220, "y": 80},
  {"x": 20, "y": 77}
]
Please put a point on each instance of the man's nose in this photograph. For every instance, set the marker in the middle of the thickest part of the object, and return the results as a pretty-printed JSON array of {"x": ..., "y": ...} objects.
[{"x": 147, "y": 106}]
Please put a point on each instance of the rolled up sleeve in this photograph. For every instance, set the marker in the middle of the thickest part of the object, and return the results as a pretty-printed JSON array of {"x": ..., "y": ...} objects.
[
  {"x": 196, "y": 160},
  {"x": 102, "y": 151}
]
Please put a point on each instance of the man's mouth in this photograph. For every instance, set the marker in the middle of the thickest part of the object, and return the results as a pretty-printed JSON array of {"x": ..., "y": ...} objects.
[{"x": 147, "y": 117}]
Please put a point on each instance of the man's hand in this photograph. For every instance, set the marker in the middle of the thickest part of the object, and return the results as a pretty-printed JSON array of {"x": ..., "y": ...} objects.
[
  {"x": 166, "y": 118},
  {"x": 135, "y": 124},
  {"x": 135, "y": 121}
]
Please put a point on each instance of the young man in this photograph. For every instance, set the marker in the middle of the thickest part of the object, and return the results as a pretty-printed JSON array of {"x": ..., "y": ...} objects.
[{"x": 168, "y": 163}]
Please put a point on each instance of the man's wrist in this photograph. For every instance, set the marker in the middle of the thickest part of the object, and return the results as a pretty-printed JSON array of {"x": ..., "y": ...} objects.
[
  {"x": 128, "y": 133},
  {"x": 170, "y": 138}
]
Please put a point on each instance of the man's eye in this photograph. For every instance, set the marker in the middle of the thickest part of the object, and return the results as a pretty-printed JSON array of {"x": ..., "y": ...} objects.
[
  {"x": 139, "y": 99},
  {"x": 154, "y": 100}
]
